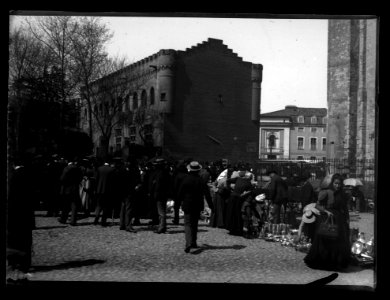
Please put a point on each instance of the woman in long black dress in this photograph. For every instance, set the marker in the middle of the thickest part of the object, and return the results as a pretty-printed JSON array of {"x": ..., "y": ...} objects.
[
  {"x": 242, "y": 188},
  {"x": 221, "y": 196},
  {"x": 331, "y": 254}
]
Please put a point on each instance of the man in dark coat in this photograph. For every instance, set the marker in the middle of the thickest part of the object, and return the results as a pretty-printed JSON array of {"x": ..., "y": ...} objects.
[
  {"x": 181, "y": 173},
  {"x": 160, "y": 190},
  {"x": 20, "y": 219},
  {"x": 132, "y": 185},
  {"x": 307, "y": 190},
  {"x": 70, "y": 180},
  {"x": 278, "y": 194},
  {"x": 54, "y": 172},
  {"x": 103, "y": 190},
  {"x": 192, "y": 191}
]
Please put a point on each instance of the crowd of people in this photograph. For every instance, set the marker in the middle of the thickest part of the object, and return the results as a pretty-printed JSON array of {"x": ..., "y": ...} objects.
[{"x": 133, "y": 191}]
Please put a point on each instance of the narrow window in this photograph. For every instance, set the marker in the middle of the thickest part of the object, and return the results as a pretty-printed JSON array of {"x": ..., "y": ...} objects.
[
  {"x": 271, "y": 141},
  {"x": 151, "y": 96},
  {"x": 135, "y": 101},
  {"x": 163, "y": 97},
  {"x": 300, "y": 143},
  {"x": 143, "y": 98},
  {"x": 323, "y": 144},
  {"x": 313, "y": 144}
]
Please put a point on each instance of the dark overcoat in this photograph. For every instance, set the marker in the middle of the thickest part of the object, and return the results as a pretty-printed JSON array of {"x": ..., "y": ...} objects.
[{"x": 192, "y": 192}]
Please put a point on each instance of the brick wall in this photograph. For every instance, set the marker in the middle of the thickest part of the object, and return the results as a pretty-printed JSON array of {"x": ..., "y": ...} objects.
[{"x": 205, "y": 76}]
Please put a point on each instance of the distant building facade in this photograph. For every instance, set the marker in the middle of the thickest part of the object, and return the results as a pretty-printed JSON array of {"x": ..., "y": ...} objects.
[
  {"x": 203, "y": 102},
  {"x": 352, "y": 47},
  {"x": 294, "y": 133}
]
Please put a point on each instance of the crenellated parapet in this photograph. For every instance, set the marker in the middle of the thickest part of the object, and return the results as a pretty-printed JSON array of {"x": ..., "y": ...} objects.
[{"x": 214, "y": 44}]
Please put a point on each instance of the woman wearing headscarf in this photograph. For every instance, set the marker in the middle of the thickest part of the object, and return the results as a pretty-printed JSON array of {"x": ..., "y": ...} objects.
[
  {"x": 326, "y": 253},
  {"x": 242, "y": 189}
]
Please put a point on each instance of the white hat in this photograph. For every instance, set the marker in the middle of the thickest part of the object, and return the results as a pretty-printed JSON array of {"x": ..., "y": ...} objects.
[
  {"x": 309, "y": 212},
  {"x": 260, "y": 198},
  {"x": 308, "y": 217},
  {"x": 194, "y": 166}
]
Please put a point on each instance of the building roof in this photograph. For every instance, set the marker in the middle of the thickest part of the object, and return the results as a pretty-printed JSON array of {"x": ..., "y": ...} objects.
[{"x": 291, "y": 111}]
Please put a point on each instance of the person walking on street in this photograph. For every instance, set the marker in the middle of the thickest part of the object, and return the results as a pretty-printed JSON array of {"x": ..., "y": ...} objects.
[
  {"x": 181, "y": 173},
  {"x": 103, "y": 190},
  {"x": 132, "y": 185},
  {"x": 161, "y": 188},
  {"x": 192, "y": 191},
  {"x": 278, "y": 195}
]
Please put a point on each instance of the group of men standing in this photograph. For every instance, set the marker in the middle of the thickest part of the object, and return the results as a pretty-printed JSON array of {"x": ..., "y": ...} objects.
[{"x": 119, "y": 184}]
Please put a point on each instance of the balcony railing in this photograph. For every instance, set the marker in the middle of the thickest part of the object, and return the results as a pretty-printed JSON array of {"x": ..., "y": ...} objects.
[{"x": 266, "y": 150}]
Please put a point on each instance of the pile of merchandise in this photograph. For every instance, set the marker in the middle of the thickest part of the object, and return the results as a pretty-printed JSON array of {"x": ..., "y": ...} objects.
[
  {"x": 285, "y": 235},
  {"x": 363, "y": 251}
]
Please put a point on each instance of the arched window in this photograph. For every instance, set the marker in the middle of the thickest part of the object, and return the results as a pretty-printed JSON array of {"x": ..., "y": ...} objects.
[
  {"x": 272, "y": 141},
  {"x": 135, "y": 101},
  {"x": 151, "y": 96},
  {"x": 143, "y": 98}
]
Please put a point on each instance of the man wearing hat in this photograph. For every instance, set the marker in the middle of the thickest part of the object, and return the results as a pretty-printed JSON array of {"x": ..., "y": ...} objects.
[
  {"x": 192, "y": 191},
  {"x": 278, "y": 193}
]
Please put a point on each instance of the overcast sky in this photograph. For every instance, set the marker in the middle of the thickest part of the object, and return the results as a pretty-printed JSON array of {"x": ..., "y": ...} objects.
[{"x": 293, "y": 52}]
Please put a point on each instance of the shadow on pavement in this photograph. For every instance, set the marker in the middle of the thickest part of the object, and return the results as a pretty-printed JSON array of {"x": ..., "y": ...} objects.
[
  {"x": 210, "y": 247},
  {"x": 182, "y": 231},
  {"x": 67, "y": 265},
  {"x": 50, "y": 227}
]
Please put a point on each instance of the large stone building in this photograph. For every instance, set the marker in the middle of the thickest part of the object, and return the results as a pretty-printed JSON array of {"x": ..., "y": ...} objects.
[
  {"x": 352, "y": 49},
  {"x": 203, "y": 102},
  {"x": 297, "y": 133}
]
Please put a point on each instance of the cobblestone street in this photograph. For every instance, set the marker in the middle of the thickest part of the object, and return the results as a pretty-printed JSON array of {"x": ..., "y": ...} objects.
[{"x": 93, "y": 253}]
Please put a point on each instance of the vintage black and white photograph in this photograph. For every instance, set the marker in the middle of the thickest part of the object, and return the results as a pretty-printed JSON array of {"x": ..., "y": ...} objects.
[{"x": 184, "y": 148}]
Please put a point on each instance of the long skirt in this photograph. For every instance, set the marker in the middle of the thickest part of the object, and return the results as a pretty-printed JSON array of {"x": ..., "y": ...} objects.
[
  {"x": 234, "y": 221},
  {"x": 217, "y": 218},
  {"x": 330, "y": 254}
]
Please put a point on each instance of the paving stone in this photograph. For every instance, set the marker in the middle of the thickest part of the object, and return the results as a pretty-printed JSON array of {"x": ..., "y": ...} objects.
[{"x": 93, "y": 253}]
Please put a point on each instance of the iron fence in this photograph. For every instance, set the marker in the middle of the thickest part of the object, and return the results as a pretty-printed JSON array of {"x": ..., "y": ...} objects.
[{"x": 364, "y": 169}]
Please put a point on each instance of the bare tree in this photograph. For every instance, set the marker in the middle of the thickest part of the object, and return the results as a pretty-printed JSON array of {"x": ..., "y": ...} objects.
[
  {"x": 90, "y": 56},
  {"x": 54, "y": 33},
  {"x": 107, "y": 97},
  {"x": 28, "y": 64},
  {"x": 110, "y": 101}
]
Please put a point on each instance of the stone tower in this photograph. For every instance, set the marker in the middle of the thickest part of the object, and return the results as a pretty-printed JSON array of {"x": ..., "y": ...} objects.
[{"x": 352, "y": 47}]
